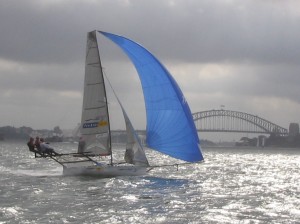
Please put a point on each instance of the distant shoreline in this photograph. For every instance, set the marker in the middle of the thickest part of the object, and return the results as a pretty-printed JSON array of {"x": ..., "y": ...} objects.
[{"x": 261, "y": 149}]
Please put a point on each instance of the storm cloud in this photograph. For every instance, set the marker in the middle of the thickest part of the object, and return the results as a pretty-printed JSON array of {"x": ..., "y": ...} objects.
[{"x": 241, "y": 54}]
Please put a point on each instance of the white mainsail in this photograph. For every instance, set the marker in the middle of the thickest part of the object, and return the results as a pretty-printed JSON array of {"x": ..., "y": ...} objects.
[{"x": 95, "y": 128}]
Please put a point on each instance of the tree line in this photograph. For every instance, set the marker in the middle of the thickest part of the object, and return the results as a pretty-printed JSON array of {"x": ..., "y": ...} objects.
[{"x": 9, "y": 132}]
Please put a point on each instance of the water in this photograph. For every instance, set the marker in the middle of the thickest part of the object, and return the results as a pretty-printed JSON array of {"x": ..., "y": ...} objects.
[{"x": 232, "y": 186}]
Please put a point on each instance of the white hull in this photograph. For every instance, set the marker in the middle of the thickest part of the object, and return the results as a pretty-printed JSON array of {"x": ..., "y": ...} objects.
[{"x": 105, "y": 171}]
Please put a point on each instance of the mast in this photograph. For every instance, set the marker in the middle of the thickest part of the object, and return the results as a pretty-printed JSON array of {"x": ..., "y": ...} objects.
[{"x": 108, "y": 117}]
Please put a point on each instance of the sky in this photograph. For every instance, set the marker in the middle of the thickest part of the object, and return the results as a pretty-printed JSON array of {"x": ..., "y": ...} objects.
[{"x": 241, "y": 54}]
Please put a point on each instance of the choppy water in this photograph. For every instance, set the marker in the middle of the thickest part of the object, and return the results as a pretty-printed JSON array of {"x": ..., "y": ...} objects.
[{"x": 232, "y": 186}]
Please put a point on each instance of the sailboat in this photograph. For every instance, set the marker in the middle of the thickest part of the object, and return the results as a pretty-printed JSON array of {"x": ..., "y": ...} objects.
[{"x": 170, "y": 127}]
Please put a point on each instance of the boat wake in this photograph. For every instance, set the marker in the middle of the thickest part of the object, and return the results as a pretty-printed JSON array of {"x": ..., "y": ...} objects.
[{"x": 39, "y": 173}]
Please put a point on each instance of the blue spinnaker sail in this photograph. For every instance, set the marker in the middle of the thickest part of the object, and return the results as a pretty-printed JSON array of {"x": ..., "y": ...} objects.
[{"x": 170, "y": 126}]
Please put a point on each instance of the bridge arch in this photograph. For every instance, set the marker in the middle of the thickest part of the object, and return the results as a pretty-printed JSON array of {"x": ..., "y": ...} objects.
[{"x": 234, "y": 121}]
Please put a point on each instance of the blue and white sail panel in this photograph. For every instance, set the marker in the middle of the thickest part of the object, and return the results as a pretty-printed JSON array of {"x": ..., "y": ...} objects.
[{"x": 170, "y": 126}]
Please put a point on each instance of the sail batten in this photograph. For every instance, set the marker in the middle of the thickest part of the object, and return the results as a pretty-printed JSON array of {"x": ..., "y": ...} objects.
[
  {"x": 99, "y": 132},
  {"x": 94, "y": 108},
  {"x": 96, "y": 63},
  {"x": 97, "y": 83}
]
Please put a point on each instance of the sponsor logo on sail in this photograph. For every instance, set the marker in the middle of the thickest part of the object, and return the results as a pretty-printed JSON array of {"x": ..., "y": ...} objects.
[{"x": 95, "y": 124}]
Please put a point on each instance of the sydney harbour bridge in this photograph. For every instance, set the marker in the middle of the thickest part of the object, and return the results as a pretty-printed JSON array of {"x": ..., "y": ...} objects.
[
  {"x": 235, "y": 121},
  {"x": 230, "y": 121}
]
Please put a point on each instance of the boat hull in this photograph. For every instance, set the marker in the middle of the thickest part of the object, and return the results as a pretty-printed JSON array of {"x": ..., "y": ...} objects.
[{"x": 105, "y": 171}]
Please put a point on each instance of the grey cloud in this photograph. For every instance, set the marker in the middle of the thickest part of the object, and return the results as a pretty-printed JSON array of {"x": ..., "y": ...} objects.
[
  {"x": 260, "y": 39},
  {"x": 199, "y": 31}
]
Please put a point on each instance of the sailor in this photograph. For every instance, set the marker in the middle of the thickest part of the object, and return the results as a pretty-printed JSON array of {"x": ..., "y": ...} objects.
[
  {"x": 37, "y": 143},
  {"x": 31, "y": 145},
  {"x": 45, "y": 148},
  {"x": 129, "y": 156},
  {"x": 81, "y": 145}
]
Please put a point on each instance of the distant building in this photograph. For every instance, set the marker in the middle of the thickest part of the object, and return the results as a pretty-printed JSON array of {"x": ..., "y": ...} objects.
[{"x": 294, "y": 129}]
